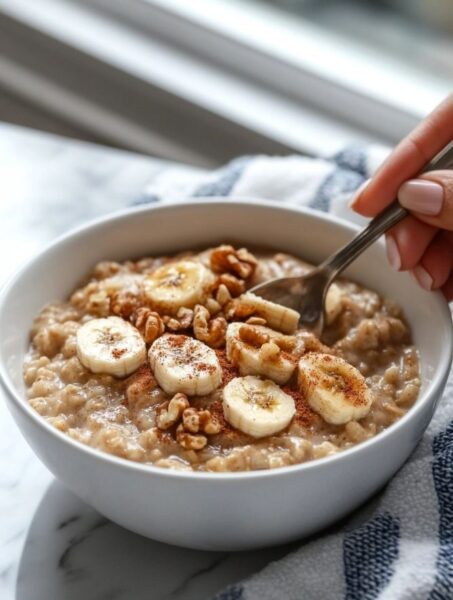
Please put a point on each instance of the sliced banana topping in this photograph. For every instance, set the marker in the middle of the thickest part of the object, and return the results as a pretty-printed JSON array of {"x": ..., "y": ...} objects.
[
  {"x": 333, "y": 303},
  {"x": 277, "y": 316},
  {"x": 258, "y": 350},
  {"x": 334, "y": 389},
  {"x": 110, "y": 345},
  {"x": 184, "y": 283},
  {"x": 257, "y": 407},
  {"x": 184, "y": 364}
]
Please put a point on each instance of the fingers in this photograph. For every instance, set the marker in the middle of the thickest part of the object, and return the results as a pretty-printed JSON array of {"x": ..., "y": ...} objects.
[
  {"x": 430, "y": 198},
  {"x": 407, "y": 160},
  {"x": 436, "y": 265},
  {"x": 407, "y": 243}
]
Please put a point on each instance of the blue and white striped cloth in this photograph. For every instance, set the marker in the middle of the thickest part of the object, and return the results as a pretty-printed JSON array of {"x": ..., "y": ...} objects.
[{"x": 400, "y": 545}]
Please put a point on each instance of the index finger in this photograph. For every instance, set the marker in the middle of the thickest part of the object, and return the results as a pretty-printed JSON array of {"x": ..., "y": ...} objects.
[{"x": 408, "y": 159}]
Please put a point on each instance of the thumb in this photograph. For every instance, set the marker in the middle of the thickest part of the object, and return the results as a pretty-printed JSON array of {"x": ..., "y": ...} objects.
[{"x": 430, "y": 198}]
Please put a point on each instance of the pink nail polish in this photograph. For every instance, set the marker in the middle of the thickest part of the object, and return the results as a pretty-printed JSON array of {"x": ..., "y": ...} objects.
[
  {"x": 357, "y": 193},
  {"x": 424, "y": 197},
  {"x": 393, "y": 254},
  {"x": 423, "y": 277}
]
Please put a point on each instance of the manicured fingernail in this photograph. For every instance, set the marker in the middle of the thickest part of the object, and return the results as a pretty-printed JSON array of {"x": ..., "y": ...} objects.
[
  {"x": 393, "y": 254},
  {"x": 424, "y": 197},
  {"x": 357, "y": 193},
  {"x": 423, "y": 277}
]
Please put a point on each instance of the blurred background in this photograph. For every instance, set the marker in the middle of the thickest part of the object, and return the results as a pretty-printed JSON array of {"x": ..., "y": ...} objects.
[{"x": 205, "y": 80}]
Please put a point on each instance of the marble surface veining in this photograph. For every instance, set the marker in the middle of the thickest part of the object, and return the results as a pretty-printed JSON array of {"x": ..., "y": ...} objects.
[{"x": 52, "y": 545}]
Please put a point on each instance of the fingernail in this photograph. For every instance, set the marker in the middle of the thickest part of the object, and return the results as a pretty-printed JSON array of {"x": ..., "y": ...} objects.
[
  {"x": 423, "y": 277},
  {"x": 424, "y": 197},
  {"x": 357, "y": 193},
  {"x": 393, "y": 254}
]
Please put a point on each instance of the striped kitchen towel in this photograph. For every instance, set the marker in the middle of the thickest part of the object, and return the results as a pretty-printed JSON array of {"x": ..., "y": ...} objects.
[{"x": 400, "y": 545}]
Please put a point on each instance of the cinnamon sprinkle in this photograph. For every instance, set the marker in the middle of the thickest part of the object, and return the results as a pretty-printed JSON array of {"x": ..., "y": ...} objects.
[
  {"x": 118, "y": 352},
  {"x": 229, "y": 371},
  {"x": 304, "y": 414}
]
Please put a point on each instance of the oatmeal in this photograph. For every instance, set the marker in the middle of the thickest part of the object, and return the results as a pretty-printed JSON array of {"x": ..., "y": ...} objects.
[{"x": 173, "y": 362}]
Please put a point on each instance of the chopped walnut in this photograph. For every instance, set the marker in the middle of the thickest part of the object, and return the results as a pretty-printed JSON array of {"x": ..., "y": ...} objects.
[
  {"x": 270, "y": 345},
  {"x": 92, "y": 300},
  {"x": 208, "y": 330},
  {"x": 226, "y": 259},
  {"x": 213, "y": 306},
  {"x": 149, "y": 323},
  {"x": 182, "y": 320},
  {"x": 190, "y": 441},
  {"x": 124, "y": 303},
  {"x": 235, "y": 286},
  {"x": 195, "y": 421},
  {"x": 253, "y": 336},
  {"x": 236, "y": 309},
  {"x": 223, "y": 295},
  {"x": 171, "y": 412}
]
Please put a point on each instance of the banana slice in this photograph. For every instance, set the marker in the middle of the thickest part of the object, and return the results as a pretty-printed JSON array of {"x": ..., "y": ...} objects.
[
  {"x": 277, "y": 316},
  {"x": 333, "y": 303},
  {"x": 259, "y": 352},
  {"x": 334, "y": 389},
  {"x": 184, "y": 283},
  {"x": 110, "y": 345},
  {"x": 257, "y": 407},
  {"x": 184, "y": 364}
]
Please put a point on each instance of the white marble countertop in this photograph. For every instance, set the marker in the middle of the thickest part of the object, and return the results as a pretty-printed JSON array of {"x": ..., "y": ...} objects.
[{"x": 52, "y": 545}]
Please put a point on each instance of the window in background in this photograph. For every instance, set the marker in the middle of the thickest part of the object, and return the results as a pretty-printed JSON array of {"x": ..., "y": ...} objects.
[
  {"x": 205, "y": 80},
  {"x": 417, "y": 33}
]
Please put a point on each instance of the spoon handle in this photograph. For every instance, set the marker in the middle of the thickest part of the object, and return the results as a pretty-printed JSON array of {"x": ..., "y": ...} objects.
[{"x": 386, "y": 219}]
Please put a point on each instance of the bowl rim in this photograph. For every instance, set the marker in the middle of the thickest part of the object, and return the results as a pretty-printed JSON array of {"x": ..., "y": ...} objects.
[{"x": 437, "y": 382}]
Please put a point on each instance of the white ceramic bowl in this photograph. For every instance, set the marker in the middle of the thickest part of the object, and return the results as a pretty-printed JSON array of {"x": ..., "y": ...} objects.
[{"x": 209, "y": 510}]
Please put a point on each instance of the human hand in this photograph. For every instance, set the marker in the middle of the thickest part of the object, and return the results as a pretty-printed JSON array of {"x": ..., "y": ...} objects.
[{"x": 423, "y": 242}]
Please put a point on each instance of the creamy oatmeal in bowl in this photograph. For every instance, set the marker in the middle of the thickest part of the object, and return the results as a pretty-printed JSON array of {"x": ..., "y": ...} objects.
[
  {"x": 171, "y": 361},
  {"x": 211, "y": 484}
]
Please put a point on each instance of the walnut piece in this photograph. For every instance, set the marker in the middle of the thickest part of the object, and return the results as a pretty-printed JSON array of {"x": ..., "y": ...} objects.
[
  {"x": 235, "y": 286},
  {"x": 92, "y": 299},
  {"x": 236, "y": 310},
  {"x": 252, "y": 336},
  {"x": 270, "y": 345},
  {"x": 190, "y": 441},
  {"x": 213, "y": 306},
  {"x": 149, "y": 323},
  {"x": 226, "y": 259},
  {"x": 124, "y": 303},
  {"x": 223, "y": 295},
  {"x": 182, "y": 320},
  {"x": 193, "y": 423},
  {"x": 171, "y": 412},
  {"x": 209, "y": 330}
]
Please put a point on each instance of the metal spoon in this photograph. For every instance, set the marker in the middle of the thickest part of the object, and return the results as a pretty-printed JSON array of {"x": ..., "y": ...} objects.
[{"x": 306, "y": 294}]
